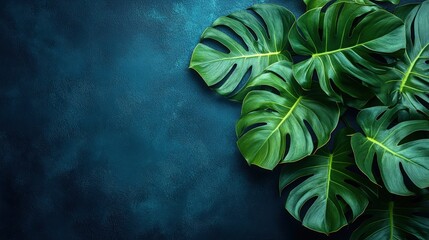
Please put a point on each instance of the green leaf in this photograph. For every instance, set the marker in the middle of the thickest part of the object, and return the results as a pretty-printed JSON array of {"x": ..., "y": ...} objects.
[
  {"x": 268, "y": 117},
  {"x": 341, "y": 44},
  {"x": 326, "y": 177},
  {"x": 400, "y": 218},
  {"x": 263, "y": 46},
  {"x": 393, "y": 147},
  {"x": 409, "y": 82},
  {"x": 321, "y": 3}
]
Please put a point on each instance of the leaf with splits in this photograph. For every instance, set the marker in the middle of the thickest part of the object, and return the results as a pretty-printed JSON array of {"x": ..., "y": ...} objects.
[
  {"x": 278, "y": 118},
  {"x": 264, "y": 35},
  {"x": 393, "y": 148}
]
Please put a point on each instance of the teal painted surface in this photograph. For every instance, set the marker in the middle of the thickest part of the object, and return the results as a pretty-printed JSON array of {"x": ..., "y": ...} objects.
[{"x": 105, "y": 133}]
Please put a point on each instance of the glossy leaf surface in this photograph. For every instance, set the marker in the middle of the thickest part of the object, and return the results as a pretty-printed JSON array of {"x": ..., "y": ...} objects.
[
  {"x": 392, "y": 148},
  {"x": 326, "y": 177},
  {"x": 265, "y": 42},
  {"x": 341, "y": 44},
  {"x": 275, "y": 126},
  {"x": 320, "y": 3},
  {"x": 394, "y": 219},
  {"x": 409, "y": 82}
]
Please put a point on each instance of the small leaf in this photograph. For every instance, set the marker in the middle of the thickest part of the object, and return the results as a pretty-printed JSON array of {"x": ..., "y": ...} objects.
[
  {"x": 269, "y": 116},
  {"x": 327, "y": 178},
  {"x": 341, "y": 44},
  {"x": 263, "y": 46},
  {"x": 400, "y": 218},
  {"x": 392, "y": 148}
]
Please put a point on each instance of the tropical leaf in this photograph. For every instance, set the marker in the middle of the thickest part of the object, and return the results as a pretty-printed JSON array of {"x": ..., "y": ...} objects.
[
  {"x": 408, "y": 84},
  {"x": 393, "y": 147},
  {"x": 395, "y": 218},
  {"x": 321, "y": 3},
  {"x": 343, "y": 44},
  {"x": 328, "y": 179},
  {"x": 277, "y": 125},
  {"x": 265, "y": 42}
]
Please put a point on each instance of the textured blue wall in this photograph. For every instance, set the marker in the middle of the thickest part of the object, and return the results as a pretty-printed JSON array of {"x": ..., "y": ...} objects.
[{"x": 105, "y": 133}]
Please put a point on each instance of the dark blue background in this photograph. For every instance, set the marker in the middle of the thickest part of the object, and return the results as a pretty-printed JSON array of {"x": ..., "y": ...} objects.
[{"x": 105, "y": 133}]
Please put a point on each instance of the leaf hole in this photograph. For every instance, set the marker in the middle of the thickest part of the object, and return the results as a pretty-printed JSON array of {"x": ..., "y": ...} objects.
[
  {"x": 312, "y": 133},
  {"x": 287, "y": 148},
  {"x": 327, "y": 5},
  {"x": 300, "y": 32},
  {"x": 224, "y": 79},
  {"x": 255, "y": 37},
  {"x": 423, "y": 84},
  {"x": 265, "y": 88},
  {"x": 376, "y": 169},
  {"x": 253, "y": 126},
  {"x": 427, "y": 61},
  {"x": 307, "y": 206},
  {"x": 379, "y": 116},
  {"x": 356, "y": 22},
  {"x": 407, "y": 181},
  {"x": 422, "y": 214},
  {"x": 272, "y": 89},
  {"x": 415, "y": 136},
  {"x": 314, "y": 77},
  {"x": 352, "y": 183},
  {"x": 336, "y": 17},
  {"x": 347, "y": 210},
  {"x": 423, "y": 100},
  {"x": 279, "y": 76},
  {"x": 392, "y": 124},
  {"x": 412, "y": 237},
  {"x": 334, "y": 87},
  {"x": 215, "y": 45},
  {"x": 380, "y": 59},
  {"x": 352, "y": 167},
  {"x": 261, "y": 20},
  {"x": 232, "y": 34},
  {"x": 422, "y": 202},
  {"x": 295, "y": 183},
  {"x": 244, "y": 80}
]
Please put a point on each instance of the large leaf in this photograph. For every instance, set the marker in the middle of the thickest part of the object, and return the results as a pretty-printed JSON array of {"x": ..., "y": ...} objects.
[
  {"x": 409, "y": 82},
  {"x": 393, "y": 147},
  {"x": 276, "y": 126},
  {"x": 320, "y": 3},
  {"x": 264, "y": 43},
  {"x": 328, "y": 179},
  {"x": 342, "y": 44},
  {"x": 395, "y": 219}
]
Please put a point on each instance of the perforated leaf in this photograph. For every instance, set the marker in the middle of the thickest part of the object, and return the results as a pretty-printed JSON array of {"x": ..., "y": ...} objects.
[
  {"x": 408, "y": 83},
  {"x": 326, "y": 176},
  {"x": 341, "y": 45},
  {"x": 265, "y": 42},
  {"x": 395, "y": 219},
  {"x": 393, "y": 148},
  {"x": 276, "y": 125}
]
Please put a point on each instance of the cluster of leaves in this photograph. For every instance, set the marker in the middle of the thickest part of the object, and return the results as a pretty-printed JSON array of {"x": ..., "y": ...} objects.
[{"x": 299, "y": 79}]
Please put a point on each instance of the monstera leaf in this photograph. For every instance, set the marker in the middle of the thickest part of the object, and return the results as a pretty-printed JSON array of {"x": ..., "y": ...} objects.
[
  {"x": 393, "y": 147},
  {"x": 320, "y": 3},
  {"x": 342, "y": 45},
  {"x": 265, "y": 42},
  {"x": 400, "y": 218},
  {"x": 277, "y": 125},
  {"x": 328, "y": 179},
  {"x": 409, "y": 82}
]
